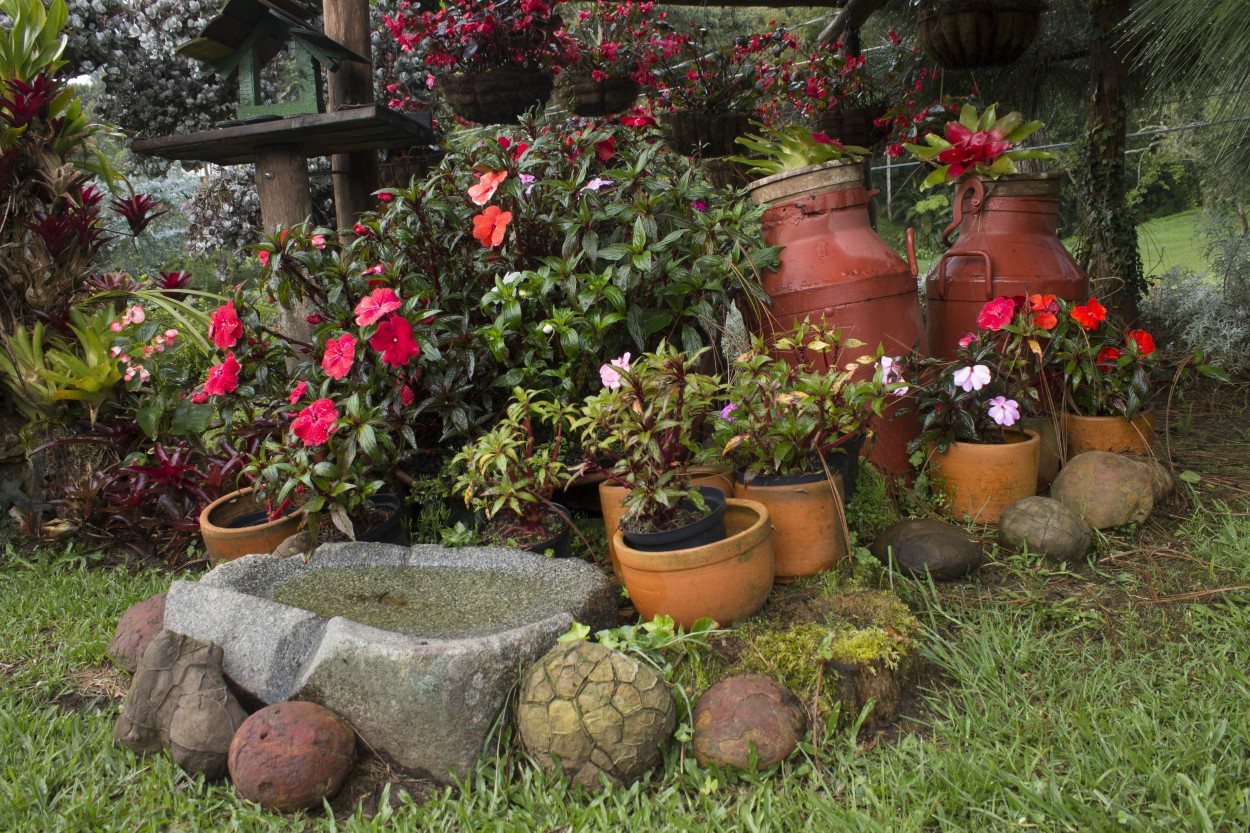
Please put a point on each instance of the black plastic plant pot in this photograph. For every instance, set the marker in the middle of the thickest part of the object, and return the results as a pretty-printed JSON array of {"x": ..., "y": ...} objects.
[
  {"x": 391, "y": 530},
  {"x": 845, "y": 463},
  {"x": 707, "y": 530},
  {"x": 561, "y": 544}
]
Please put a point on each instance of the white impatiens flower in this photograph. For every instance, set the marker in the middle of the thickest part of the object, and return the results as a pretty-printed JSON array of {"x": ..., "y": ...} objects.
[
  {"x": 972, "y": 378},
  {"x": 890, "y": 374}
]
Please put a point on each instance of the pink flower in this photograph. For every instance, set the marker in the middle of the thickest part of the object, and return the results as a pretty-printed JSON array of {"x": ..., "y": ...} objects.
[
  {"x": 199, "y": 397},
  {"x": 486, "y": 187},
  {"x": 727, "y": 410},
  {"x": 313, "y": 319},
  {"x": 596, "y": 183},
  {"x": 890, "y": 375},
  {"x": 385, "y": 196},
  {"x": 318, "y": 241},
  {"x": 222, "y": 378},
  {"x": 528, "y": 181},
  {"x": 224, "y": 327},
  {"x": 361, "y": 230},
  {"x": 970, "y": 149},
  {"x": 1004, "y": 411},
  {"x": 972, "y": 378},
  {"x": 263, "y": 256},
  {"x": 116, "y": 326},
  {"x": 491, "y": 225},
  {"x": 970, "y": 338},
  {"x": 406, "y": 396},
  {"x": 395, "y": 342},
  {"x": 610, "y": 373},
  {"x": 995, "y": 314},
  {"x": 136, "y": 314},
  {"x": 315, "y": 424},
  {"x": 171, "y": 335},
  {"x": 339, "y": 355},
  {"x": 372, "y": 307},
  {"x": 297, "y": 392}
]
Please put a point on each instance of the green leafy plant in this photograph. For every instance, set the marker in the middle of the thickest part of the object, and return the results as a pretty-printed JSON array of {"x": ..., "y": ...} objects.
[
  {"x": 977, "y": 144},
  {"x": 791, "y": 147}
]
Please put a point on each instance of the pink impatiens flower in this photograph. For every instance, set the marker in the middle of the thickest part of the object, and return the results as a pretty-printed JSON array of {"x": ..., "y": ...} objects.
[
  {"x": 970, "y": 338},
  {"x": 315, "y": 424},
  {"x": 486, "y": 187},
  {"x": 395, "y": 342},
  {"x": 223, "y": 378},
  {"x": 1004, "y": 411},
  {"x": 890, "y": 375},
  {"x": 610, "y": 373},
  {"x": 972, "y": 378},
  {"x": 382, "y": 301},
  {"x": 297, "y": 393},
  {"x": 339, "y": 355},
  {"x": 997, "y": 313},
  {"x": 224, "y": 327},
  {"x": 263, "y": 257}
]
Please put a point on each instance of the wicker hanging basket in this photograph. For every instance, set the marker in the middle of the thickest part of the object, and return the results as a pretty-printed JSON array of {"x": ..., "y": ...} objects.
[
  {"x": 965, "y": 34},
  {"x": 700, "y": 133},
  {"x": 496, "y": 96},
  {"x": 854, "y": 125},
  {"x": 589, "y": 98}
]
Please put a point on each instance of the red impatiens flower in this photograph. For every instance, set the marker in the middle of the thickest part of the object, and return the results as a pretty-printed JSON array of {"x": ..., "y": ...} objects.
[
  {"x": 382, "y": 301},
  {"x": 222, "y": 378},
  {"x": 490, "y": 226},
  {"x": 263, "y": 257},
  {"x": 996, "y": 313},
  {"x": 1090, "y": 315},
  {"x": 395, "y": 342},
  {"x": 385, "y": 196},
  {"x": 339, "y": 355},
  {"x": 606, "y": 149},
  {"x": 971, "y": 148},
  {"x": 297, "y": 392},
  {"x": 638, "y": 120},
  {"x": 1107, "y": 358},
  {"x": 224, "y": 327},
  {"x": 406, "y": 396},
  {"x": 1145, "y": 341},
  {"x": 486, "y": 187},
  {"x": 315, "y": 424},
  {"x": 1044, "y": 308}
]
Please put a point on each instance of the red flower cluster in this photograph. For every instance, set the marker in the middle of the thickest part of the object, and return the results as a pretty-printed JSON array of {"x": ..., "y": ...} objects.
[
  {"x": 224, "y": 327},
  {"x": 1090, "y": 315},
  {"x": 316, "y": 423}
]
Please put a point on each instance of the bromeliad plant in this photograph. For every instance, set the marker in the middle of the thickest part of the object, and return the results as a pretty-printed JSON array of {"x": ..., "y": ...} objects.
[
  {"x": 977, "y": 144},
  {"x": 510, "y": 473},
  {"x": 788, "y": 148},
  {"x": 643, "y": 428},
  {"x": 984, "y": 390},
  {"x": 797, "y": 400}
]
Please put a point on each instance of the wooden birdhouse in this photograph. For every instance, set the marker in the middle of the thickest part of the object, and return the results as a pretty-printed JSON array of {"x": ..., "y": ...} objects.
[{"x": 248, "y": 34}]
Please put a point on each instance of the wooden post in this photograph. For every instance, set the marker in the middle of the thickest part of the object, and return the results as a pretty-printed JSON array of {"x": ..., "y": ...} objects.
[
  {"x": 355, "y": 175},
  {"x": 282, "y": 184}
]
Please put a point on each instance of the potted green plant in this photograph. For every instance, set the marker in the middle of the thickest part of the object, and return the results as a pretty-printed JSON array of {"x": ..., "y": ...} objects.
[
  {"x": 493, "y": 59},
  {"x": 599, "y": 75},
  {"x": 970, "y": 407},
  {"x": 792, "y": 162},
  {"x": 642, "y": 429},
  {"x": 967, "y": 34},
  {"x": 510, "y": 473},
  {"x": 795, "y": 421}
]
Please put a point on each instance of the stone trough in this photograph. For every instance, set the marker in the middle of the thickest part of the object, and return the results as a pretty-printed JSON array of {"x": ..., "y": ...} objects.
[{"x": 418, "y": 648}]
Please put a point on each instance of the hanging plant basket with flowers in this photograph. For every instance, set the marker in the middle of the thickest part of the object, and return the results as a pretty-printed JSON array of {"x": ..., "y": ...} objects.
[
  {"x": 967, "y": 34},
  {"x": 607, "y": 56}
]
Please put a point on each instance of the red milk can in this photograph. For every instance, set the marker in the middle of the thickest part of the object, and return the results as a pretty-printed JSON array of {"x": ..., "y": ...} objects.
[
  {"x": 836, "y": 268},
  {"x": 1007, "y": 246}
]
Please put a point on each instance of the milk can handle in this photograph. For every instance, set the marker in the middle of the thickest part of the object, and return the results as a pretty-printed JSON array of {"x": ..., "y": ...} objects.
[
  {"x": 978, "y": 199},
  {"x": 944, "y": 278},
  {"x": 911, "y": 252}
]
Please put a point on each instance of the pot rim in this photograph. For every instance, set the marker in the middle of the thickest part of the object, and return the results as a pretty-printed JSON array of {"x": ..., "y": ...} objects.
[
  {"x": 1145, "y": 413},
  {"x": 1031, "y": 437},
  {"x": 295, "y": 516},
  {"x": 756, "y": 188},
  {"x": 699, "y": 557}
]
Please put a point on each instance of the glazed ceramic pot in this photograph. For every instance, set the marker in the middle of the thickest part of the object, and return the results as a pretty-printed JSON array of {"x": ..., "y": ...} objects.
[
  {"x": 980, "y": 480},
  {"x": 1109, "y": 433},
  {"x": 808, "y": 518},
  {"x": 235, "y": 525},
  {"x": 726, "y": 581}
]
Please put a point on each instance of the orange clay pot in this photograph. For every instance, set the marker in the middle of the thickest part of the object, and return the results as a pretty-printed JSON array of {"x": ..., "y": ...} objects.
[
  {"x": 1109, "y": 433},
  {"x": 230, "y": 528},
  {"x": 727, "y": 580},
  {"x": 809, "y": 526},
  {"x": 980, "y": 481},
  {"x": 612, "y": 495},
  {"x": 722, "y": 477}
]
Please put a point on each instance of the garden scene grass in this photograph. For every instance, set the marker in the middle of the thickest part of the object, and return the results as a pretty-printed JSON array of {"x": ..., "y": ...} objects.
[{"x": 1107, "y": 695}]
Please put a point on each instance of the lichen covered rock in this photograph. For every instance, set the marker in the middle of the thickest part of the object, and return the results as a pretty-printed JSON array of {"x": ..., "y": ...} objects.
[
  {"x": 1045, "y": 526},
  {"x": 594, "y": 710}
]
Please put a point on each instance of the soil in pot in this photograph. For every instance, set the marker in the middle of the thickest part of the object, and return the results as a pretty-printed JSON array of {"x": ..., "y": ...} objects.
[{"x": 692, "y": 527}]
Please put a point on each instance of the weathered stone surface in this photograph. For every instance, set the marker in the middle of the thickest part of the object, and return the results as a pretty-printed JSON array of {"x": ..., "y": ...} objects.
[
  {"x": 1161, "y": 480},
  {"x": 425, "y": 702},
  {"x": 179, "y": 701},
  {"x": 1045, "y": 526},
  {"x": 944, "y": 550},
  {"x": 141, "y": 621},
  {"x": 290, "y": 756},
  {"x": 1105, "y": 489},
  {"x": 744, "y": 713},
  {"x": 597, "y": 711}
]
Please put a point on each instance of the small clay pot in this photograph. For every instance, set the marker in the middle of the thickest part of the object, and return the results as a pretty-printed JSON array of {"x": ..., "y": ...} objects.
[
  {"x": 726, "y": 581},
  {"x": 980, "y": 480},
  {"x": 236, "y": 525},
  {"x": 809, "y": 528},
  {"x": 1109, "y": 433}
]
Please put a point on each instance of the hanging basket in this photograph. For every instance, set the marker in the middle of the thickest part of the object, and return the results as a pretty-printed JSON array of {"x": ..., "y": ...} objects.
[
  {"x": 589, "y": 98},
  {"x": 854, "y": 125},
  {"x": 702, "y": 133},
  {"x": 400, "y": 171},
  {"x": 965, "y": 34},
  {"x": 496, "y": 96}
]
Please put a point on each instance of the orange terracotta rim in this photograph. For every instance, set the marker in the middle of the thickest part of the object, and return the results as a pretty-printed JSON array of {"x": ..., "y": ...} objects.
[{"x": 697, "y": 558}]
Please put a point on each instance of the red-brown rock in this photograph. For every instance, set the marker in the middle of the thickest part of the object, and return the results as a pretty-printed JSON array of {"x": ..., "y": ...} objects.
[
  {"x": 741, "y": 712},
  {"x": 289, "y": 756},
  {"x": 142, "y": 621}
]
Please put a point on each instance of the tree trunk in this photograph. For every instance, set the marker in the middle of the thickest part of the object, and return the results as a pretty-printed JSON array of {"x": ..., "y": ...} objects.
[{"x": 1108, "y": 249}]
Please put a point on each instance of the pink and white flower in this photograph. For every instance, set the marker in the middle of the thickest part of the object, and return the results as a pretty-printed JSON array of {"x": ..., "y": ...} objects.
[
  {"x": 972, "y": 378},
  {"x": 1004, "y": 411},
  {"x": 610, "y": 373}
]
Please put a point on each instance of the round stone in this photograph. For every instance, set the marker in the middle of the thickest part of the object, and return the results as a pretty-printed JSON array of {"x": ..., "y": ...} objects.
[
  {"x": 1045, "y": 526},
  {"x": 589, "y": 709},
  {"x": 742, "y": 714},
  {"x": 141, "y": 621},
  {"x": 1105, "y": 489},
  {"x": 290, "y": 756},
  {"x": 943, "y": 550}
]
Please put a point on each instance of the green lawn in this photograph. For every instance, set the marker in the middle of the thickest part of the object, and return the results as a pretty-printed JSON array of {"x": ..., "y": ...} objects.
[{"x": 1171, "y": 242}]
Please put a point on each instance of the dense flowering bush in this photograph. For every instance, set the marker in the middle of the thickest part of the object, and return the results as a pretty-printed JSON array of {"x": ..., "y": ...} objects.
[
  {"x": 829, "y": 79},
  {"x": 685, "y": 72},
  {"x": 482, "y": 34},
  {"x": 609, "y": 40}
]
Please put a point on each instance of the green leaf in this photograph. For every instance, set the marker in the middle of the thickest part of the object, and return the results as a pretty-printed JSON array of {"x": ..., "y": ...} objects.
[{"x": 1190, "y": 476}]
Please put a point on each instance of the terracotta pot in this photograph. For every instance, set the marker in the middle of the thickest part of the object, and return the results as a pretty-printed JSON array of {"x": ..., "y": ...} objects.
[
  {"x": 721, "y": 477},
  {"x": 981, "y": 480},
  {"x": 234, "y": 526},
  {"x": 703, "y": 133},
  {"x": 592, "y": 99},
  {"x": 727, "y": 581},
  {"x": 835, "y": 268},
  {"x": 854, "y": 125},
  {"x": 1109, "y": 433},
  {"x": 1007, "y": 246},
  {"x": 496, "y": 96},
  {"x": 708, "y": 529},
  {"x": 965, "y": 34},
  {"x": 1050, "y": 458},
  {"x": 808, "y": 518}
]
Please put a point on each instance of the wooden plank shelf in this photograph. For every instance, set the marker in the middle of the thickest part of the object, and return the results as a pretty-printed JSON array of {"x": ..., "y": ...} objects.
[{"x": 366, "y": 127}]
